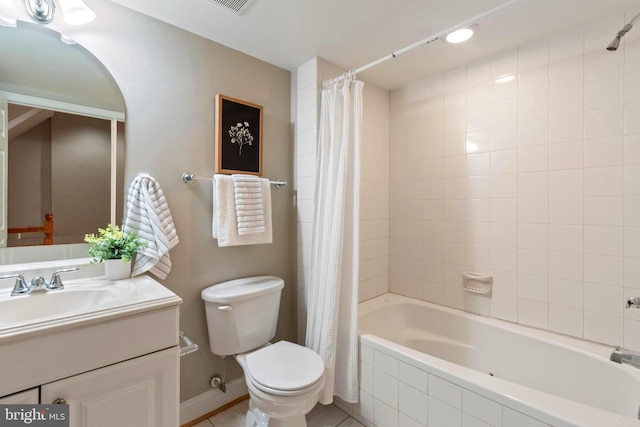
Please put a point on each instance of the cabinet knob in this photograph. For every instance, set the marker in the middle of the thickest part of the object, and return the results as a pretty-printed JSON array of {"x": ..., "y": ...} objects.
[{"x": 59, "y": 401}]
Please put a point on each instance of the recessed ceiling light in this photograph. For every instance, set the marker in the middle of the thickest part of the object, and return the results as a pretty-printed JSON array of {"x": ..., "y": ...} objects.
[{"x": 462, "y": 34}]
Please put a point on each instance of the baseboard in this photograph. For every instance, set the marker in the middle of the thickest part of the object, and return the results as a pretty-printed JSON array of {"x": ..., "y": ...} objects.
[
  {"x": 210, "y": 400},
  {"x": 346, "y": 407}
]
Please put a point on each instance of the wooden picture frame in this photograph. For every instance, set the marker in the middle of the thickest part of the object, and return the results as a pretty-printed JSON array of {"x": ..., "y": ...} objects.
[{"x": 238, "y": 136}]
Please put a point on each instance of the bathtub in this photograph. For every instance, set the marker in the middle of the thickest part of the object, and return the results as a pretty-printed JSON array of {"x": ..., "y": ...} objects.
[{"x": 425, "y": 364}]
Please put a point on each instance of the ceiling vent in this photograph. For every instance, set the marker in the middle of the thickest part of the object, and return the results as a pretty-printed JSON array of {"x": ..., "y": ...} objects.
[{"x": 235, "y": 6}]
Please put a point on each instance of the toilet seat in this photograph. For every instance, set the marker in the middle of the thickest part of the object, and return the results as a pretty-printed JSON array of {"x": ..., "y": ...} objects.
[{"x": 284, "y": 368}]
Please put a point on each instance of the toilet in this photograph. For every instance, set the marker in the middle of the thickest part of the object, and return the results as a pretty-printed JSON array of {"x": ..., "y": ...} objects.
[{"x": 284, "y": 379}]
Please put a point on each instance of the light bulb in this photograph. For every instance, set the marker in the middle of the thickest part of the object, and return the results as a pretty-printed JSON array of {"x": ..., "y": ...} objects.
[
  {"x": 76, "y": 12},
  {"x": 67, "y": 40},
  {"x": 8, "y": 22}
]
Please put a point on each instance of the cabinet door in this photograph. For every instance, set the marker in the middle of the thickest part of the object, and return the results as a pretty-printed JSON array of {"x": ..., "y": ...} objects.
[
  {"x": 136, "y": 393},
  {"x": 28, "y": 397}
]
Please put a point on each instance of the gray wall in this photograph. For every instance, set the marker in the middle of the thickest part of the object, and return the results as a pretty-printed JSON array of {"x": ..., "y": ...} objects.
[
  {"x": 61, "y": 166},
  {"x": 30, "y": 174},
  {"x": 169, "y": 79},
  {"x": 80, "y": 171}
]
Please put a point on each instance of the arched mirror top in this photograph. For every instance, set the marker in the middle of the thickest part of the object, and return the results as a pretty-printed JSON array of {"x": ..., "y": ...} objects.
[
  {"x": 39, "y": 62},
  {"x": 39, "y": 68}
]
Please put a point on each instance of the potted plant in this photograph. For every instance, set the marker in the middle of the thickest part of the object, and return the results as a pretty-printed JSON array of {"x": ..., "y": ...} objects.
[{"x": 115, "y": 248}]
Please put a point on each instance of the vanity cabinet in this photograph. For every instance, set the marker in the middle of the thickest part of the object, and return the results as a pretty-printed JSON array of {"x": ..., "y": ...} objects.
[
  {"x": 141, "y": 392},
  {"x": 114, "y": 366},
  {"x": 27, "y": 397}
]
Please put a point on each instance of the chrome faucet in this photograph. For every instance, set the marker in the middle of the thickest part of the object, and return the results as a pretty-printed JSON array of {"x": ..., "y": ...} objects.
[
  {"x": 623, "y": 356},
  {"x": 21, "y": 287},
  {"x": 56, "y": 281},
  {"x": 633, "y": 302},
  {"x": 38, "y": 283}
]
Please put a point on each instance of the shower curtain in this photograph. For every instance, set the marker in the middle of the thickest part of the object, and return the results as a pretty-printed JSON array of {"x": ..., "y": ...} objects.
[{"x": 333, "y": 285}]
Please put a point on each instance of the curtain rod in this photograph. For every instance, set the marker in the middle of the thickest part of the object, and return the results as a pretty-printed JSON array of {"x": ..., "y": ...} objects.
[{"x": 434, "y": 37}]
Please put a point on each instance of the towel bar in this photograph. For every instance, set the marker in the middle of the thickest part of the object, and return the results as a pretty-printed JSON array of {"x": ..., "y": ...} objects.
[{"x": 188, "y": 178}]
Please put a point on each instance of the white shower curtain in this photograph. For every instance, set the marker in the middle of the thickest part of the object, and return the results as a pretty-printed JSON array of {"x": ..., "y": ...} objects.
[{"x": 333, "y": 286}]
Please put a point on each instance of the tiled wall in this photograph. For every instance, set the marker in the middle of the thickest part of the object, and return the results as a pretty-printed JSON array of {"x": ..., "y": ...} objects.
[
  {"x": 525, "y": 165},
  {"x": 374, "y": 202},
  {"x": 394, "y": 393},
  {"x": 306, "y": 134},
  {"x": 374, "y": 194}
]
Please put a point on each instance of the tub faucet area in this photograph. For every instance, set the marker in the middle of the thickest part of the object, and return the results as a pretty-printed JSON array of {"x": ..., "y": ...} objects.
[
  {"x": 629, "y": 357},
  {"x": 633, "y": 302}
]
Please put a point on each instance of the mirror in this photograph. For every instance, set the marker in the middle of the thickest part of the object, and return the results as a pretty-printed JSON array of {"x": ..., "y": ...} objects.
[
  {"x": 74, "y": 98},
  {"x": 58, "y": 162}
]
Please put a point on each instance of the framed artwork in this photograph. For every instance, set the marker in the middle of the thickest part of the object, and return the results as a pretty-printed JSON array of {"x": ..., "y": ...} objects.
[{"x": 238, "y": 136}]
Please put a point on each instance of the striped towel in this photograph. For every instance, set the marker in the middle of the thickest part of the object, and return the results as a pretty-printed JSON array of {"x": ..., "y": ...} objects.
[
  {"x": 149, "y": 217},
  {"x": 249, "y": 207}
]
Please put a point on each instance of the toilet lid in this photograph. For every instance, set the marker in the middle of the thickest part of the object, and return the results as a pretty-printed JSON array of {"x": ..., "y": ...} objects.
[{"x": 284, "y": 366}]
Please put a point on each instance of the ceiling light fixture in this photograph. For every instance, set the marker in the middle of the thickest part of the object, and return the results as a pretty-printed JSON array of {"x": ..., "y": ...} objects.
[
  {"x": 76, "y": 12},
  {"x": 40, "y": 11},
  {"x": 462, "y": 34},
  {"x": 67, "y": 40},
  {"x": 43, "y": 11},
  {"x": 8, "y": 22},
  {"x": 440, "y": 35},
  {"x": 4, "y": 21}
]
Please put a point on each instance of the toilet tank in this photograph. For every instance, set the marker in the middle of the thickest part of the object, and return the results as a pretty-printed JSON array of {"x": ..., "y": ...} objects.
[{"x": 242, "y": 314}]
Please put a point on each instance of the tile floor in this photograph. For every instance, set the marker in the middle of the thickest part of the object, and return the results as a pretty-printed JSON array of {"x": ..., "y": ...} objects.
[{"x": 321, "y": 416}]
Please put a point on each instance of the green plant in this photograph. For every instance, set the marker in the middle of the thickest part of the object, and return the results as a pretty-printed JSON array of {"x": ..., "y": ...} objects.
[{"x": 113, "y": 243}]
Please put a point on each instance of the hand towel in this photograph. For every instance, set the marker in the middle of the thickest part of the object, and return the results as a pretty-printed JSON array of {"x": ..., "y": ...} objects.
[
  {"x": 248, "y": 201},
  {"x": 225, "y": 222},
  {"x": 149, "y": 217}
]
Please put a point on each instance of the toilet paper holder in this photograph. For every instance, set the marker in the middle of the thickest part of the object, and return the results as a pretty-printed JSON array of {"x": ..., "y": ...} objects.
[{"x": 186, "y": 345}]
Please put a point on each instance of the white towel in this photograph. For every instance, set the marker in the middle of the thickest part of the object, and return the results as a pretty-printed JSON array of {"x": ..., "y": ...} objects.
[
  {"x": 225, "y": 222},
  {"x": 149, "y": 217},
  {"x": 249, "y": 205}
]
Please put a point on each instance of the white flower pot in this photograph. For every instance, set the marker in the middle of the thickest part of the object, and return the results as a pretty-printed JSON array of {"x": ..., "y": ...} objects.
[{"x": 116, "y": 269}]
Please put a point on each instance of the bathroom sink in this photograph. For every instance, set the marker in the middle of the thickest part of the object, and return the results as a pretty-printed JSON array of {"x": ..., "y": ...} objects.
[
  {"x": 86, "y": 326},
  {"x": 25, "y": 308},
  {"x": 81, "y": 300}
]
